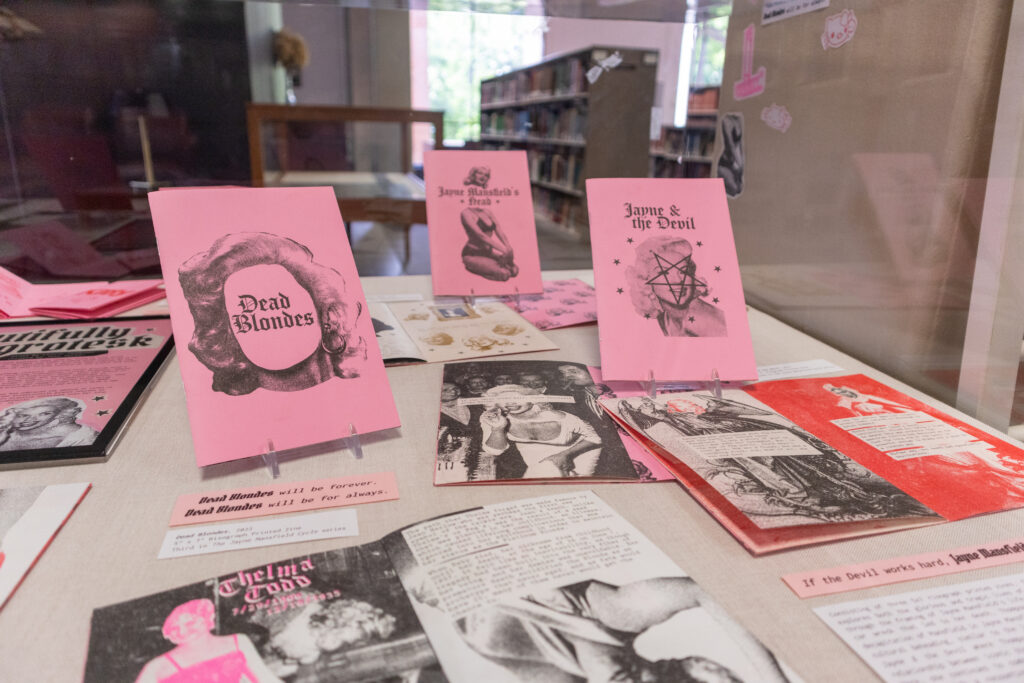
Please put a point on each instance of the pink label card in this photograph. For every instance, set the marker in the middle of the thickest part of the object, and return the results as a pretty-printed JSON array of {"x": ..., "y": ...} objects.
[
  {"x": 895, "y": 570},
  {"x": 278, "y": 499},
  {"x": 483, "y": 239},
  {"x": 669, "y": 297},
  {"x": 275, "y": 342}
]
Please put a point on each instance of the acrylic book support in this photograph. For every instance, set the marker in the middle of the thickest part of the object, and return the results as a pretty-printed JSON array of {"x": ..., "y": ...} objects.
[
  {"x": 274, "y": 467},
  {"x": 714, "y": 385}
]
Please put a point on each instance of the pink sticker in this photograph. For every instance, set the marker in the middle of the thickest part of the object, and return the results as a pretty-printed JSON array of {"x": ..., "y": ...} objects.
[
  {"x": 895, "y": 570},
  {"x": 278, "y": 499},
  {"x": 750, "y": 83},
  {"x": 839, "y": 29},
  {"x": 777, "y": 117}
]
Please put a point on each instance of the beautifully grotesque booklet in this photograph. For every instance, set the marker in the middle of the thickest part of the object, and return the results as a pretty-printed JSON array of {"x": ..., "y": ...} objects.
[
  {"x": 483, "y": 239},
  {"x": 68, "y": 389},
  {"x": 793, "y": 462},
  {"x": 559, "y": 588},
  {"x": 276, "y": 340},
  {"x": 530, "y": 420},
  {"x": 668, "y": 282},
  {"x": 437, "y": 331},
  {"x": 29, "y": 519}
]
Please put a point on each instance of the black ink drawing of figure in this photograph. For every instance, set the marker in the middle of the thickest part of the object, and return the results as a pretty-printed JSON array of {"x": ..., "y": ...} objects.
[
  {"x": 487, "y": 252},
  {"x": 50, "y": 422},
  {"x": 731, "y": 161},
  {"x": 864, "y": 404},
  {"x": 341, "y": 351},
  {"x": 664, "y": 285},
  {"x": 826, "y": 486},
  {"x": 586, "y": 632}
]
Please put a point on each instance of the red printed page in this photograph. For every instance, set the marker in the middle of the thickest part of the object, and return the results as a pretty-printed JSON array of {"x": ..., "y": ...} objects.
[{"x": 955, "y": 469}]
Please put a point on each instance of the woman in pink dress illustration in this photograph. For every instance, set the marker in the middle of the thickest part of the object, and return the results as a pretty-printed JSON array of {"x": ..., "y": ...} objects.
[{"x": 199, "y": 655}]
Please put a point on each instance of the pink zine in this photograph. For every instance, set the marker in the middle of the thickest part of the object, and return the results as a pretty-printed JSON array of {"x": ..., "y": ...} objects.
[
  {"x": 483, "y": 239},
  {"x": 274, "y": 340},
  {"x": 669, "y": 296}
]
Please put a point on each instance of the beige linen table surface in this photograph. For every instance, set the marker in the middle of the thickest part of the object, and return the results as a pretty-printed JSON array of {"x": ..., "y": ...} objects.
[{"x": 107, "y": 551}]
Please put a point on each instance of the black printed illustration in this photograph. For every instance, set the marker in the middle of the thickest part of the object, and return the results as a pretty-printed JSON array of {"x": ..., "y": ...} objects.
[
  {"x": 664, "y": 284},
  {"x": 487, "y": 251},
  {"x": 815, "y": 484},
  {"x": 218, "y": 322}
]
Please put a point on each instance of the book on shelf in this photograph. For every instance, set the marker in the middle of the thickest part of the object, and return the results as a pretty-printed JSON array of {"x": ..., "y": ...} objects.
[{"x": 556, "y": 588}]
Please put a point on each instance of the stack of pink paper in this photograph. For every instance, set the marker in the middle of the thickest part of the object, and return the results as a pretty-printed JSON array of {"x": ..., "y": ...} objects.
[{"x": 74, "y": 301}]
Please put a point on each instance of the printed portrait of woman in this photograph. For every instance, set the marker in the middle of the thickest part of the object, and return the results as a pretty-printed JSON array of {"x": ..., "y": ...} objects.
[
  {"x": 553, "y": 443},
  {"x": 199, "y": 655},
  {"x": 487, "y": 251},
  {"x": 286, "y": 326},
  {"x": 664, "y": 285},
  {"x": 50, "y": 422}
]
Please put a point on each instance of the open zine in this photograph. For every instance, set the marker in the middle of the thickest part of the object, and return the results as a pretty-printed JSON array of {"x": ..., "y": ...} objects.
[
  {"x": 29, "y": 519},
  {"x": 564, "y": 303},
  {"x": 483, "y": 239},
  {"x": 555, "y": 588},
  {"x": 525, "y": 421},
  {"x": 77, "y": 300},
  {"x": 792, "y": 462},
  {"x": 438, "y": 331},
  {"x": 69, "y": 389},
  {"x": 277, "y": 345},
  {"x": 668, "y": 281}
]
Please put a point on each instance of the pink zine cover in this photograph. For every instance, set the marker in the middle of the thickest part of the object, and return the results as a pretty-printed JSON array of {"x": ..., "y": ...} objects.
[
  {"x": 274, "y": 338},
  {"x": 669, "y": 296},
  {"x": 483, "y": 239}
]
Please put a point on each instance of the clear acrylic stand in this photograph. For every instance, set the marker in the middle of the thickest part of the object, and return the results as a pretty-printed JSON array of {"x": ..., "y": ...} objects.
[
  {"x": 471, "y": 299},
  {"x": 519, "y": 308},
  {"x": 270, "y": 460},
  {"x": 714, "y": 386},
  {"x": 352, "y": 441}
]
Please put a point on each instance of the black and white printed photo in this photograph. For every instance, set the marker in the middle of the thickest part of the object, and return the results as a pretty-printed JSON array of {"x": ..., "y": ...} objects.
[
  {"x": 51, "y": 422},
  {"x": 732, "y": 159},
  {"x": 505, "y": 420}
]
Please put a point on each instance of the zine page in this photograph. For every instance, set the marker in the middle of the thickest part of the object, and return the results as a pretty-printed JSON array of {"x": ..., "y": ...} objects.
[
  {"x": 97, "y": 301},
  {"x": 523, "y": 421},
  {"x": 483, "y": 239},
  {"x": 561, "y": 588},
  {"x": 564, "y": 303},
  {"x": 29, "y": 519},
  {"x": 771, "y": 483},
  {"x": 447, "y": 331},
  {"x": 669, "y": 297},
  {"x": 68, "y": 389},
  {"x": 555, "y": 588},
  {"x": 276, "y": 339},
  {"x": 340, "y": 615},
  {"x": 395, "y": 345},
  {"x": 955, "y": 469}
]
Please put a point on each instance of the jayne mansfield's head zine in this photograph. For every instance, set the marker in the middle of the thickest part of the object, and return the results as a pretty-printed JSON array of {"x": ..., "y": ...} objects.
[{"x": 203, "y": 277}]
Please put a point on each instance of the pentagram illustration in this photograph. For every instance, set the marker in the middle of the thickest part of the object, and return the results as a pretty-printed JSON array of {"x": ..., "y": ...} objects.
[{"x": 678, "y": 278}]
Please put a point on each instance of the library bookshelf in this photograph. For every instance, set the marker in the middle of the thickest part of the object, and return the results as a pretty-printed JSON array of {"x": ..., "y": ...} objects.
[{"x": 578, "y": 115}]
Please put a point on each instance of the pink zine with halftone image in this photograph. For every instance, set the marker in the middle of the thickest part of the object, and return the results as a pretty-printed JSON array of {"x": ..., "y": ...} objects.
[{"x": 483, "y": 239}]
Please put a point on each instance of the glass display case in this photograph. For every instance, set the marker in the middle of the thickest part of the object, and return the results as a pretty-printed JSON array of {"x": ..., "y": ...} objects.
[{"x": 871, "y": 151}]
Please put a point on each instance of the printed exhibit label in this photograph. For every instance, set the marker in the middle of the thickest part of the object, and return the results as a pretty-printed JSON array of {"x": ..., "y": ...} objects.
[{"x": 275, "y": 499}]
